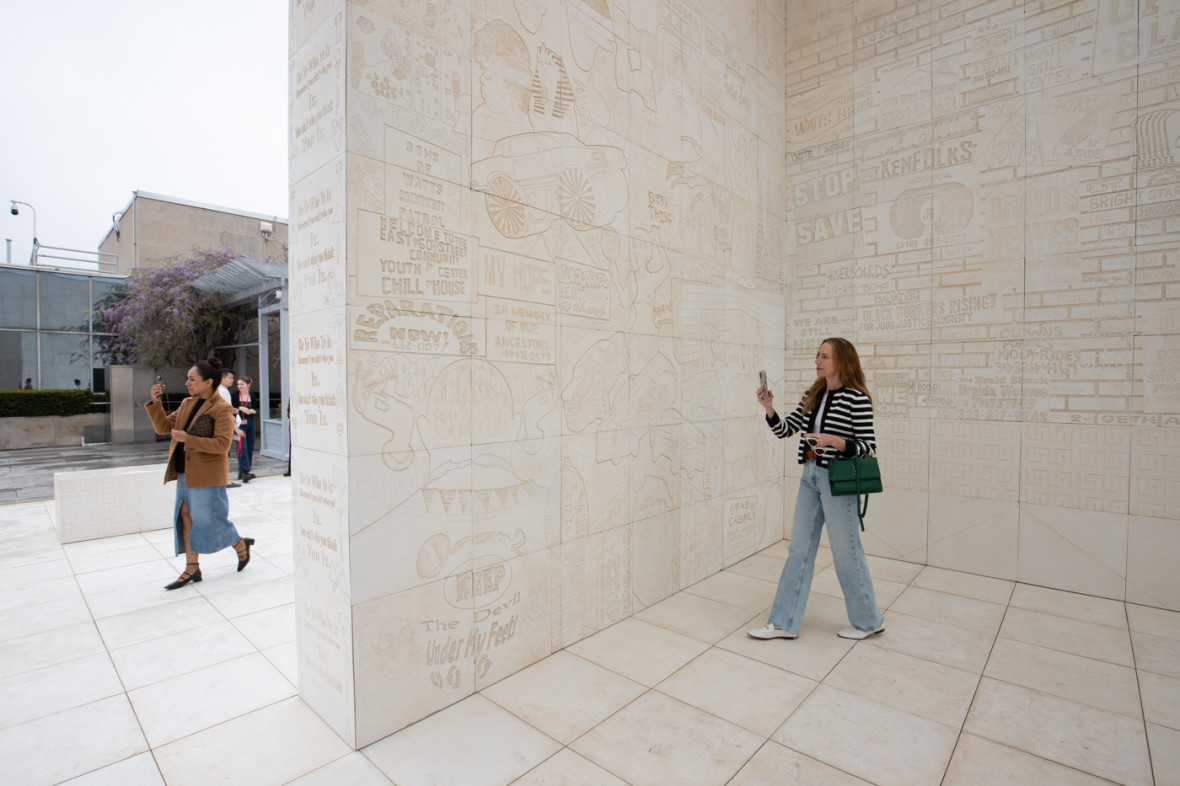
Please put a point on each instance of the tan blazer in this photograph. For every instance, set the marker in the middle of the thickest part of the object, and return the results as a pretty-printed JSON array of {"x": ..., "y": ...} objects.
[{"x": 206, "y": 459}]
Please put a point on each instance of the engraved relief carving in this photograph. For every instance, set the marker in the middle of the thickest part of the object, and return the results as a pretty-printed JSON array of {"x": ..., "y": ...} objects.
[
  {"x": 576, "y": 229},
  {"x": 532, "y": 179},
  {"x": 1157, "y": 136}
]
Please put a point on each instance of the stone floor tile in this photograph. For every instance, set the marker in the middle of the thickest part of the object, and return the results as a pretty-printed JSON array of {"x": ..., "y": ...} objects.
[
  {"x": 735, "y": 589},
  {"x": 1086, "y": 680},
  {"x": 138, "y": 770},
  {"x": 180, "y": 653},
  {"x": 977, "y": 615},
  {"x": 563, "y": 695},
  {"x": 351, "y": 770},
  {"x": 71, "y": 743},
  {"x": 939, "y": 642},
  {"x": 63, "y": 686},
  {"x": 177, "y": 707},
  {"x": 978, "y": 760},
  {"x": 638, "y": 650},
  {"x": 1086, "y": 738},
  {"x": 880, "y": 744},
  {"x": 919, "y": 687},
  {"x": 472, "y": 741},
  {"x": 1165, "y": 754},
  {"x": 743, "y": 691},
  {"x": 1161, "y": 699},
  {"x": 657, "y": 740},
  {"x": 1084, "y": 608},
  {"x": 774, "y": 763},
  {"x": 268, "y": 747},
  {"x": 566, "y": 768},
  {"x": 1069, "y": 635},
  {"x": 1155, "y": 654},
  {"x": 965, "y": 584},
  {"x": 691, "y": 615}
]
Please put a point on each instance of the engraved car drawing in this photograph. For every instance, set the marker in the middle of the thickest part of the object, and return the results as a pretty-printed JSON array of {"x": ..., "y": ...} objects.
[{"x": 530, "y": 180}]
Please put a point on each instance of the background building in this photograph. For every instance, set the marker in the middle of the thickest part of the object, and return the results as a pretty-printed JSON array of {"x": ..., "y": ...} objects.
[
  {"x": 152, "y": 227},
  {"x": 47, "y": 331}
]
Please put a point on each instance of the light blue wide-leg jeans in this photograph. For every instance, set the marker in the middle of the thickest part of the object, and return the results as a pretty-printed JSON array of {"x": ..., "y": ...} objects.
[{"x": 814, "y": 507}]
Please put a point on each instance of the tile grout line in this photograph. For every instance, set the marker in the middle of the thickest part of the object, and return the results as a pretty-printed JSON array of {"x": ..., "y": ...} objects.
[
  {"x": 1139, "y": 690},
  {"x": 978, "y": 683}
]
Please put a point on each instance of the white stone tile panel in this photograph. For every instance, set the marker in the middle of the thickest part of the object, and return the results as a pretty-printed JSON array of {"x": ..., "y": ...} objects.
[
  {"x": 1085, "y": 738},
  {"x": 1091, "y": 682},
  {"x": 974, "y": 535},
  {"x": 978, "y": 759},
  {"x": 474, "y": 740},
  {"x": 870, "y": 742},
  {"x": 244, "y": 748},
  {"x": 657, "y": 739},
  {"x": 71, "y": 743},
  {"x": 1073, "y": 550}
]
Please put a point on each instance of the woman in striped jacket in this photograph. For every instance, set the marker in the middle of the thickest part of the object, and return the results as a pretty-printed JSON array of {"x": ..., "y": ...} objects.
[{"x": 836, "y": 418}]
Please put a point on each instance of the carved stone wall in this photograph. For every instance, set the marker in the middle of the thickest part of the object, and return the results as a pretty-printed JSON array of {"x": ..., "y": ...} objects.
[
  {"x": 536, "y": 266},
  {"x": 541, "y": 248},
  {"x": 986, "y": 198}
]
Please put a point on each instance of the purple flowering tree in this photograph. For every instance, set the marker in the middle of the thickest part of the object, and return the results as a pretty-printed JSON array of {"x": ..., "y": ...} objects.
[{"x": 159, "y": 319}]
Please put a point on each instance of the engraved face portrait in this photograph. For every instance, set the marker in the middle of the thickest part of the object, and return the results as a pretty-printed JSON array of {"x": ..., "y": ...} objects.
[{"x": 504, "y": 81}]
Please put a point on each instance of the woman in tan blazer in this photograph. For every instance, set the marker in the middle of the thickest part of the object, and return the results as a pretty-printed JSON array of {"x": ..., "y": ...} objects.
[{"x": 201, "y": 430}]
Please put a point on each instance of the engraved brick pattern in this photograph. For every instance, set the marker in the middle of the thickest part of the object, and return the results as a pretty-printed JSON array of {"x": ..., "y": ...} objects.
[
  {"x": 972, "y": 459},
  {"x": 1084, "y": 467},
  {"x": 1155, "y": 473}
]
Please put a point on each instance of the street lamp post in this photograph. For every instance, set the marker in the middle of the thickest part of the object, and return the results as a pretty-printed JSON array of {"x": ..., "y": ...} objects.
[{"x": 15, "y": 212}]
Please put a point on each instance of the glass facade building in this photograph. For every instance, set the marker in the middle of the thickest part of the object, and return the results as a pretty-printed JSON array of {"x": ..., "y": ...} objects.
[{"x": 47, "y": 328}]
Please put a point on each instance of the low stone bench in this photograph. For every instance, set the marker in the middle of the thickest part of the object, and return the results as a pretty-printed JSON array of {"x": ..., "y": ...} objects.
[{"x": 102, "y": 503}]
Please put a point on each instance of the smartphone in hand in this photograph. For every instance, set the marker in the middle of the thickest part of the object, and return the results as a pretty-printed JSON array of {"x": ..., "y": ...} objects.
[{"x": 762, "y": 383}]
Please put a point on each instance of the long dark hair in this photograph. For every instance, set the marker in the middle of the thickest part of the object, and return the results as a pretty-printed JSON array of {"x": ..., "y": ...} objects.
[
  {"x": 210, "y": 369},
  {"x": 847, "y": 363}
]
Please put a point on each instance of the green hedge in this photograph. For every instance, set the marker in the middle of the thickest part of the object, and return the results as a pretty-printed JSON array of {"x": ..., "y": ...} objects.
[{"x": 43, "y": 403}]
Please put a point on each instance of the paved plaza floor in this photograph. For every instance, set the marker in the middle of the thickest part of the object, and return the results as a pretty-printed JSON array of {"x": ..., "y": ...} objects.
[{"x": 105, "y": 678}]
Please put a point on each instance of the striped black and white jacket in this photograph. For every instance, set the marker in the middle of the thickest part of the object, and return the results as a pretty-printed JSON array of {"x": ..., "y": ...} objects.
[{"x": 847, "y": 413}]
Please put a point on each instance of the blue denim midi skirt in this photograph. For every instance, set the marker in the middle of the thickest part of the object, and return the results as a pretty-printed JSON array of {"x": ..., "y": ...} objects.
[{"x": 209, "y": 507}]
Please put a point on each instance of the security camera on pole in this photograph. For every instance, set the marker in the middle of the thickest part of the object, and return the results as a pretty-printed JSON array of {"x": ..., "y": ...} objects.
[{"x": 15, "y": 212}]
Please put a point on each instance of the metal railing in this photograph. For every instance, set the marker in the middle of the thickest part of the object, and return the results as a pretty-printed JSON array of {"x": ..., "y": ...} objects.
[{"x": 103, "y": 262}]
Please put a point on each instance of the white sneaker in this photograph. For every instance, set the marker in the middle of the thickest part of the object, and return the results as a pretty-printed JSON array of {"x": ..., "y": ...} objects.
[
  {"x": 857, "y": 633},
  {"x": 770, "y": 632}
]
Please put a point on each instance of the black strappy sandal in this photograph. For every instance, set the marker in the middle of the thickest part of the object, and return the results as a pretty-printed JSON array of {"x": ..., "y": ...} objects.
[
  {"x": 186, "y": 577},
  {"x": 244, "y": 561}
]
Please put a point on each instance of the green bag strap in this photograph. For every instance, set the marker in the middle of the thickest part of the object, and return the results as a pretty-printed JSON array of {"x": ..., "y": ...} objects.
[{"x": 861, "y": 509}]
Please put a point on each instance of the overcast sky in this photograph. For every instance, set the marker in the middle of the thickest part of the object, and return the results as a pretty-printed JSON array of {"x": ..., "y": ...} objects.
[{"x": 99, "y": 98}]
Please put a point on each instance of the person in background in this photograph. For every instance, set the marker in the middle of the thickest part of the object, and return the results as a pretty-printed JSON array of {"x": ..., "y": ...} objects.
[
  {"x": 287, "y": 474},
  {"x": 77, "y": 384},
  {"x": 246, "y": 407},
  {"x": 29, "y": 383},
  {"x": 223, "y": 390},
  {"x": 836, "y": 418},
  {"x": 198, "y": 461}
]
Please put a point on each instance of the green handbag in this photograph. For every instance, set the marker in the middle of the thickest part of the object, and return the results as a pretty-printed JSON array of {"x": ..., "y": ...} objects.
[{"x": 859, "y": 475}]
